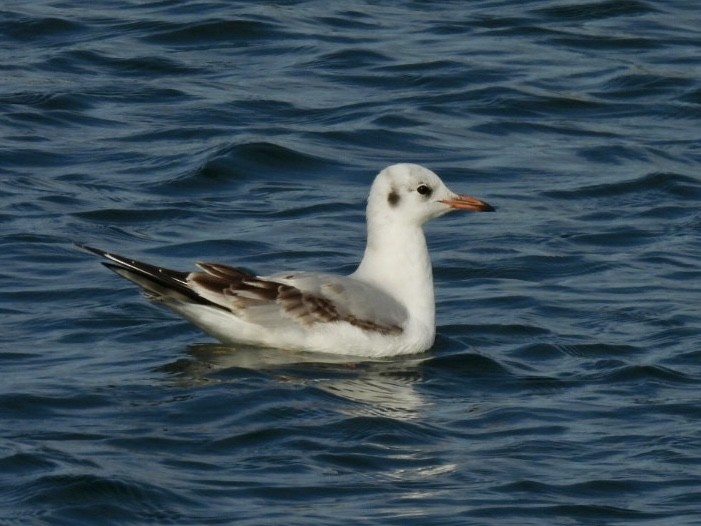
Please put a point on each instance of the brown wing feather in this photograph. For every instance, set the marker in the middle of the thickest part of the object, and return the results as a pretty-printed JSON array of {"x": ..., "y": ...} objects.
[{"x": 243, "y": 289}]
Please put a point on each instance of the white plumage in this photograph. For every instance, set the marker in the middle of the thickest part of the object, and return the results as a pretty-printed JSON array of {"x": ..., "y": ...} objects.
[{"x": 385, "y": 308}]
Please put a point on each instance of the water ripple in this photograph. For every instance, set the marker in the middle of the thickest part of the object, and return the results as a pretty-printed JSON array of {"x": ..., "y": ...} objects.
[
  {"x": 596, "y": 10},
  {"x": 562, "y": 387}
]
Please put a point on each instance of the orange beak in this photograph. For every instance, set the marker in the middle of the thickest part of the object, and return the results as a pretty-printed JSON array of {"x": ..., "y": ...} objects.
[{"x": 465, "y": 202}]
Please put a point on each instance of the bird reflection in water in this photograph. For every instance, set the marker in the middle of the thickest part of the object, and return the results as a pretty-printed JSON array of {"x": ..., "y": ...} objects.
[{"x": 379, "y": 387}]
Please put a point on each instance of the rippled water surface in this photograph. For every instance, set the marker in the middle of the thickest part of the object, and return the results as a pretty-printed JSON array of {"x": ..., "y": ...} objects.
[{"x": 565, "y": 383}]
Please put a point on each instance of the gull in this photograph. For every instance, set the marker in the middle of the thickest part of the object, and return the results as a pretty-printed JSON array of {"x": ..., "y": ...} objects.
[{"x": 385, "y": 308}]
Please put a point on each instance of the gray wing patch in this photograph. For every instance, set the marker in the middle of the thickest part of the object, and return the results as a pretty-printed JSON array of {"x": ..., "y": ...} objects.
[{"x": 305, "y": 298}]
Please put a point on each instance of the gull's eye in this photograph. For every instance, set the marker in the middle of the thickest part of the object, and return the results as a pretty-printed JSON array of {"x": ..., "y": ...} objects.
[{"x": 424, "y": 189}]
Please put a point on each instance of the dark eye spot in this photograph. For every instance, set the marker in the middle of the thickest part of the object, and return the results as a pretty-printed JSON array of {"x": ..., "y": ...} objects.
[
  {"x": 424, "y": 190},
  {"x": 393, "y": 198}
]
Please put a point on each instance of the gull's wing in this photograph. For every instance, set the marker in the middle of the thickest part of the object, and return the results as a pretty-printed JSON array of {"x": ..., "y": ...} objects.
[{"x": 301, "y": 298}]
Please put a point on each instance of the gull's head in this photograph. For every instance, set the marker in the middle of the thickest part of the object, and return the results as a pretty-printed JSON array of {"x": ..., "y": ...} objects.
[{"x": 413, "y": 194}]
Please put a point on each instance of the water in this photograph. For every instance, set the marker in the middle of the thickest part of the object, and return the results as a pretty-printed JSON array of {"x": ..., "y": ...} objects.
[{"x": 564, "y": 384}]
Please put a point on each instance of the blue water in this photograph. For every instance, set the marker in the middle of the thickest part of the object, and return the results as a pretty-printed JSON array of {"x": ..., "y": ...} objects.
[{"x": 565, "y": 383}]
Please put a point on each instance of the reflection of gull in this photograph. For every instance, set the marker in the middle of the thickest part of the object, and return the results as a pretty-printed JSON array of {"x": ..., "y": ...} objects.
[
  {"x": 378, "y": 388},
  {"x": 377, "y": 394},
  {"x": 385, "y": 308}
]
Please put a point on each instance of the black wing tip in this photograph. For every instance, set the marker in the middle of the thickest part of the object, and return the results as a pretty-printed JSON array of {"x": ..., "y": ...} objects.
[
  {"x": 83, "y": 246},
  {"x": 113, "y": 266},
  {"x": 88, "y": 248}
]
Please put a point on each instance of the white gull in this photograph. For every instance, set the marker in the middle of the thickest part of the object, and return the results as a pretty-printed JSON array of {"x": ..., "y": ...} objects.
[{"x": 385, "y": 308}]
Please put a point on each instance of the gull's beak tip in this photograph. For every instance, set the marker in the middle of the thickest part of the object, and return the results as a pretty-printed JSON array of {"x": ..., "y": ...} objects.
[{"x": 466, "y": 202}]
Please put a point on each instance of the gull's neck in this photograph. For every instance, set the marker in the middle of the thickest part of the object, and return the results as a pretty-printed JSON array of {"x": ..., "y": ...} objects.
[{"x": 396, "y": 260}]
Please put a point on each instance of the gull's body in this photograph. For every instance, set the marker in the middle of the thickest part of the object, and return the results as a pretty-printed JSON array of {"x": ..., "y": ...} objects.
[{"x": 385, "y": 308}]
